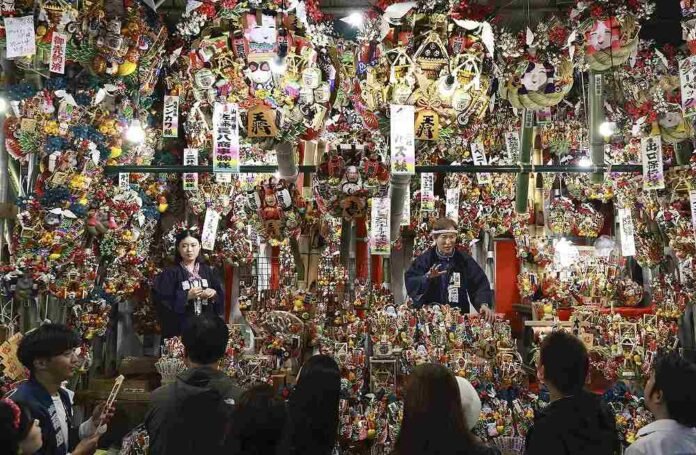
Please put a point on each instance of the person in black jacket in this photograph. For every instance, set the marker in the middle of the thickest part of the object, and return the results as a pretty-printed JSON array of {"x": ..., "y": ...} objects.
[
  {"x": 193, "y": 414},
  {"x": 189, "y": 287},
  {"x": 445, "y": 275},
  {"x": 434, "y": 421},
  {"x": 576, "y": 422}
]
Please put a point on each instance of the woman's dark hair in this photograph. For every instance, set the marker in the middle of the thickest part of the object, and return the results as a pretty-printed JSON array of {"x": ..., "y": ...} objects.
[
  {"x": 11, "y": 431},
  {"x": 257, "y": 422},
  {"x": 180, "y": 238},
  {"x": 49, "y": 340},
  {"x": 433, "y": 416},
  {"x": 566, "y": 362},
  {"x": 313, "y": 407},
  {"x": 675, "y": 377}
]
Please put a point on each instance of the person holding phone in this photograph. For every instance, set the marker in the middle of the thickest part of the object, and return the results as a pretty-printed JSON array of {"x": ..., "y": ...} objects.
[{"x": 444, "y": 275}]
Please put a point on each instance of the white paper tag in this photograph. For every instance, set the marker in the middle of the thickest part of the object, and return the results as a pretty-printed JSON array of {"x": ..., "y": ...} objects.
[
  {"x": 380, "y": 235},
  {"x": 52, "y": 158},
  {"x": 427, "y": 192},
  {"x": 599, "y": 82},
  {"x": 124, "y": 180},
  {"x": 170, "y": 116},
  {"x": 210, "y": 227},
  {"x": 59, "y": 45},
  {"x": 687, "y": 79},
  {"x": 20, "y": 38},
  {"x": 528, "y": 118},
  {"x": 226, "y": 137},
  {"x": 692, "y": 201},
  {"x": 512, "y": 144},
  {"x": 653, "y": 167},
  {"x": 478, "y": 153},
  {"x": 190, "y": 179},
  {"x": 223, "y": 177},
  {"x": 628, "y": 244},
  {"x": 452, "y": 204},
  {"x": 402, "y": 139},
  {"x": 406, "y": 217}
]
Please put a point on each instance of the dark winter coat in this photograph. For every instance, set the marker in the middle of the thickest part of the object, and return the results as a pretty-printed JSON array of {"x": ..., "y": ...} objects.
[
  {"x": 577, "y": 425},
  {"x": 191, "y": 415}
]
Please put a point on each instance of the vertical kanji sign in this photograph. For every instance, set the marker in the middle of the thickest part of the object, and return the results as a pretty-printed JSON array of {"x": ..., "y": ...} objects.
[
  {"x": 402, "y": 140},
  {"x": 653, "y": 167},
  {"x": 512, "y": 144},
  {"x": 210, "y": 227},
  {"x": 427, "y": 192},
  {"x": 478, "y": 153},
  {"x": 628, "y": 243},
  {"x": 687, "y": 79},
  {"x": 452, "y": 204},
  {"x": 380, "y": 236},
  {"x": 406, "y": 216},
  {"x": 226, "y": 138},
  {"x": 190, "y": 179},
  {"x": 58, "y": 48},
  {"x": 170, "y": 116},
  {"x": 692, "y": 202},
  {"x": 124, "y": 181}
]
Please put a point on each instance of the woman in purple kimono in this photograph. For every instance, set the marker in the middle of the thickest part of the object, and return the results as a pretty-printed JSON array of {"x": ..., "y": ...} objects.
[{"x": 190, "y": 287}]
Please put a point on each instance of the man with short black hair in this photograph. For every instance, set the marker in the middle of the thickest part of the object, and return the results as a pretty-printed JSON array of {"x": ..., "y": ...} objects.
[
  {"x": 447, "y": 276},
  {"x": 671, "y": 397},
  {"x": 49, "y": 354},
  {"x": 192, "y": 415},
  {"x": 576, "y": 421}
]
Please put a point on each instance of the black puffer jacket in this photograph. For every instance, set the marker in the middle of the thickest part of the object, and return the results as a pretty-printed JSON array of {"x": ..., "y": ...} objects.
[{"x": 577, "y": 425}]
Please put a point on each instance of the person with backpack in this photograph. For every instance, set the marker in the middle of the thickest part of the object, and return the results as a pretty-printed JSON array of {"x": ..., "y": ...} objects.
[{"x": 193, "y": 414}]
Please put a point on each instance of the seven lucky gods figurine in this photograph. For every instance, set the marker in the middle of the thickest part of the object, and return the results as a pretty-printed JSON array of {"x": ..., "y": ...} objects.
[
  {"x": 280, "y": 207},
  {"x": 347, "y": 176}
]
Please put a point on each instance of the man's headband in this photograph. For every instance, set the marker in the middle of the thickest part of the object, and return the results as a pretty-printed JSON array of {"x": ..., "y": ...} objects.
[{"x": 443, "y": 231}]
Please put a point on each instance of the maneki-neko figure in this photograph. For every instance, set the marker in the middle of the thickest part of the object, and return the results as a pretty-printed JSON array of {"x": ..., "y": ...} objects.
[{"x": 674, "y": 128}]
